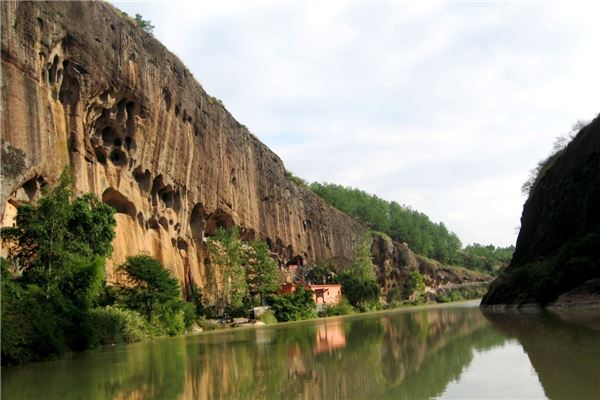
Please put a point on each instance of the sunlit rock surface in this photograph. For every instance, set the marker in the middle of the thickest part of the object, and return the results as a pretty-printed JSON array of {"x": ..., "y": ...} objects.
[{"x": 82, "y": 85}]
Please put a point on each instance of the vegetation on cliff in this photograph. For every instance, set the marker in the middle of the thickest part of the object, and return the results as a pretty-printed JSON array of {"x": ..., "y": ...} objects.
[{"x": 404, "y": 224}]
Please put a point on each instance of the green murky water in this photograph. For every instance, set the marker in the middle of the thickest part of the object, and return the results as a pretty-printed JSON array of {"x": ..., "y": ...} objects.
[{"x": 433, "y": 352}]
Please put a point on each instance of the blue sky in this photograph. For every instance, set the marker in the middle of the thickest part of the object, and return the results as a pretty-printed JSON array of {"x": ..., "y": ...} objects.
[{"x": 443, "y": 106}]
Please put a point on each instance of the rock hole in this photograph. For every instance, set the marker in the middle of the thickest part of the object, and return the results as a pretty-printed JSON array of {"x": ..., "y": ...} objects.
[
  {"x": 152, "y": 223},
  {"x": 117, "y": 142},
  {"x": 140, "y": 219},
  {"x": 119, "y": 202},
  {"x": 142, "y": 178},
  {"x": 167, "y": 98},
  {"x": 31, "y": 188},
  {"x": 100, "y": 155},
  {"x": 121, "y": 109},
  {"x": 108, "y": 135},
  {"x": 157, "y": 185},
  {"x": 218, "y": 219},
  {"x": 182, "y": 244},
  {"x": 164, "y": 223},
  {"x": 197, "y": 221},
  {"x": 52, "y": 70},
  {"x": 177, "y": 110},
  {"x": 128, "y": 143},
  {"x": 118, "y": 157}
]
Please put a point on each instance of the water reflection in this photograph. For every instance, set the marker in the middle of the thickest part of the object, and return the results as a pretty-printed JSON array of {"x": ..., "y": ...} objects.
[
  {"x": 564, "y": 350},
  {"x": 330, "y": 335},
  {"x": 408, "y": 354}
]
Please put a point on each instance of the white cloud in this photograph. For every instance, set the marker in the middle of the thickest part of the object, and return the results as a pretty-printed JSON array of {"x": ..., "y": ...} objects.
[{"x": 443, "y": 106}]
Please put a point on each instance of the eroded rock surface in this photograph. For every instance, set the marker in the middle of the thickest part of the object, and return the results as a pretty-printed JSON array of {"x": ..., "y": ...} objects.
[{"x": 82, "y": 85}]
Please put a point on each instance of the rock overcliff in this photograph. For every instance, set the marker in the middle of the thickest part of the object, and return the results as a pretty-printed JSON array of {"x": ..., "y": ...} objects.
[
  {"x": 558, "y": 247},
  {"x": 83, "y": 86}
]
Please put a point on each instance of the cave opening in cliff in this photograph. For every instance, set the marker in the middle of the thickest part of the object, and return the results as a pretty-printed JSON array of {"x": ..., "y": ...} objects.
[
  {"x": 197, "y": 221},
  {"x": 142, "y": 178},
  {"x": 100, "y": 155},
  {"x": 118, "y": 157},
  {"x": 216, "y": 220},
  {"x": 108, "y": 135},
  {"x": 52, "y": 70},
  {"x": 119, "y": 202}
]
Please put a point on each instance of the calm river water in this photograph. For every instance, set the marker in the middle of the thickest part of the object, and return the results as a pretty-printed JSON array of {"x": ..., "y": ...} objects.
[{"x": 452, "y": 351}]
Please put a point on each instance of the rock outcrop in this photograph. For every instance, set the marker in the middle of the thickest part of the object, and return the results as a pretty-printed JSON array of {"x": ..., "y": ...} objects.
[
  {"x": 395, "y": 261},
  {"x": 558, "y": 248},
  {"x": 83, "y": 86}
]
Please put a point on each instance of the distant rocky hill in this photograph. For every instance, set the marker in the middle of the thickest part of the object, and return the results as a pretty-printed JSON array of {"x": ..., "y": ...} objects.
[
  {"x": 84, "y": 87},
  {"x": 557, "y": 256}
]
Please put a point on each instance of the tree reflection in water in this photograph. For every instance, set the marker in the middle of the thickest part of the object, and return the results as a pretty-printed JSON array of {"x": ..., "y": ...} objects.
[{"x": 406, "y": 354}]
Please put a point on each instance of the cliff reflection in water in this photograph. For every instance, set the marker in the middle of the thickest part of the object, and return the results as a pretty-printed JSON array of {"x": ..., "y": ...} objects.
[
  {"x": 409, "y": 354},
  {"x": 563, "y": 349}
]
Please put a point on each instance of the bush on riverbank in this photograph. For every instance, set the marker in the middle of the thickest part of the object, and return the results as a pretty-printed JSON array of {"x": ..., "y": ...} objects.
[
  {"x": 343, "y": 308},
  {"x": 113, "y": 324},
  {"x": 268, "y": 317},
  {"x": 293, "y": 307}
]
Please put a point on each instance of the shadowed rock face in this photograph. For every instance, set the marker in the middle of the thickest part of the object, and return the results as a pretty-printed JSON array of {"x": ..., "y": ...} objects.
[
  {"x": 558, "y": 248},
  {"x": 82, "y": 85}
]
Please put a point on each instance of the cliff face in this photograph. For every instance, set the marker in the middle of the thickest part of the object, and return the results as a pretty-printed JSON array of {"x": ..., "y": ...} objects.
[
  {"x": 82, "y": 85},
  {"x": 558, "y": 248}
]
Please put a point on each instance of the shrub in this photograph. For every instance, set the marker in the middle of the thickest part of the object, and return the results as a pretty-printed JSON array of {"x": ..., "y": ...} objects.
[
  {"x": 206, "y": 324},
  {"x": 153, "y": 292},
  {"x": 414, "y": 285},
  {"x": 362, "y": 293},
  {"x": 343, "y": 308},
  {"x": 292, "y": 307},
  {"x": 31, "y": 327},
  {"x": 189, "y": 314},
  {"x": 145, "y": 24},
  {"x": 113, "y": 324},
  {"x": 268, "y": 317}
]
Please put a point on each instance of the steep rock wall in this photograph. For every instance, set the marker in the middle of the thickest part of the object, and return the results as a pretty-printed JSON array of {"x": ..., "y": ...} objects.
[
  {"x": 82, "y": 85},
  {"x": 558, "y": 247}
]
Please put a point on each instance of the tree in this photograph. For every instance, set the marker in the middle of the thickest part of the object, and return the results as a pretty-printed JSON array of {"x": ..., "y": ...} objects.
[
  {"x": 47, "y": 236},
  {"x": 361, "y": 292},
  {"x": 414, "y": 285},
  {"x": 151, "y": 290},
  {"x": 362, "y": 263},
  {"x": 145, "y": 24},
  {"x": 293, "y": 307},
  {"x": 559, "y": 145},
  {"x": 400, "y": 222},
  {"x": 359, "y": 283},
  {"x": 56, "y": 253},
  {"x": 261, "y": 270},
  {"x": 227, "y": 285}
]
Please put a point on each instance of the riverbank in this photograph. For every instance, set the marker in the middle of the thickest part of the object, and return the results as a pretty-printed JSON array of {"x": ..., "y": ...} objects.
[{"x": 403, "y": 308}]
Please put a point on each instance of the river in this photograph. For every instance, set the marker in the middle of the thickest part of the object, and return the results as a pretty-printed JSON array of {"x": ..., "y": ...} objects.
[{"x": 451, "y": 351}]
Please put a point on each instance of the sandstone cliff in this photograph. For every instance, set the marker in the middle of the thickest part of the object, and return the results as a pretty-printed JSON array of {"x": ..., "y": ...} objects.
[
  {"x": 558, "y": 248},
  {"x": 83, "y": 86}
]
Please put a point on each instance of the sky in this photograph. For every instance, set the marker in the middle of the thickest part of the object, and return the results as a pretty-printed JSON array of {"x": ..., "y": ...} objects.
[{"x": 441, "y": 106}]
